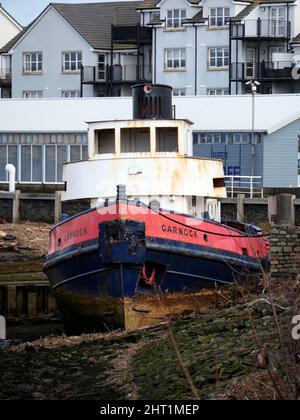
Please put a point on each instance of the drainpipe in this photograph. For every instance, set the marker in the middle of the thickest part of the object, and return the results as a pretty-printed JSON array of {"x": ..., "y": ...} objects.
[
  {"x": 11, "y": 177},
  {"x": 196, "y": 59}
]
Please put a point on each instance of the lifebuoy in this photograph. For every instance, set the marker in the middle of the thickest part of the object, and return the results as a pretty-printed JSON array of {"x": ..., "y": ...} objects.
[{"x": 148, "y": 89}]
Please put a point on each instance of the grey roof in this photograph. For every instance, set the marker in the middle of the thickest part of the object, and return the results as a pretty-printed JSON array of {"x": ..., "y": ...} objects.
[
  {"x": 93, "y": 20},
  {"x": 198, "y": 18},
  {"x": 246, "y": 12},
  {"x": 151, "y": 4},
  {"x": 253, "y": 5},
  {"x": 296, "y": 40}
]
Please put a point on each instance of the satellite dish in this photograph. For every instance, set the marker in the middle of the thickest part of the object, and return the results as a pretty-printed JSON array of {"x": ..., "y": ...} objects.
[{"x": 148, "y": 89}]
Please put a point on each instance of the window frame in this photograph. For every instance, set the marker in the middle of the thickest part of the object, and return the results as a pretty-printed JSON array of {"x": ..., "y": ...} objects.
[
  {"x": 223, "y": 90},
  {"x": 37, "y": 62},
  {"x": 179, "y": 92},
  {"x": 171, "y": 18},
  {"x": 77, "y": 61},
  {"x": 224, "y": 57},
  {"x": 67, "y": 94},
  {"x": 222, "y": 17},
  {"x": 181, "y": 58},
  {"x": 32, "y": 94}
]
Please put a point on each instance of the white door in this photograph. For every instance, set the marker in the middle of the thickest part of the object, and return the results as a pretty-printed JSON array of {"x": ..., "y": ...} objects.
[
  {"x": 277, "y": 21},
  {"x": 250, "y": 63}
]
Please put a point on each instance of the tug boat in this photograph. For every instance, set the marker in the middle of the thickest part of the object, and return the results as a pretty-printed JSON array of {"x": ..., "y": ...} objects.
[{"x": 157, "y": 247}]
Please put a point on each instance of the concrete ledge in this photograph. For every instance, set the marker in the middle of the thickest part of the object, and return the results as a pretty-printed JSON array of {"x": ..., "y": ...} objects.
[
  {"x": 255, "y": 201},
  {"x": 6, "y": 195}
]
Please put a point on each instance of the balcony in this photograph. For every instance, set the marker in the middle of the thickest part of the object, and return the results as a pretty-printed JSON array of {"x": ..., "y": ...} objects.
[
  {"x": 266, "y": 70},
  {"x": 131, "y": 34},
  {"x": 116, "y": 74},
  {"x": 257, "y": 29}
]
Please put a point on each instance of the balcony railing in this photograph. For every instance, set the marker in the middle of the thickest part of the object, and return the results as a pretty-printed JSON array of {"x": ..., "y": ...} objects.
[
  {"x": 131, "y": 34},
  {"x": 272, "y": 70},
  {"x": 272, "y": 28},
  {"x": 116, "y": 74},
  {"x": 251, "y": 186}
]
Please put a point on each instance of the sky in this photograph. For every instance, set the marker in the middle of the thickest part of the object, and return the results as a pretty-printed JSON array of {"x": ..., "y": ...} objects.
[{"x": 24, "y": 11}]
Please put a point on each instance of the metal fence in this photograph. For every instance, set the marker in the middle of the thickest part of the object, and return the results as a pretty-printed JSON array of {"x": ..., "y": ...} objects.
[{"x": 251, "y": 186}]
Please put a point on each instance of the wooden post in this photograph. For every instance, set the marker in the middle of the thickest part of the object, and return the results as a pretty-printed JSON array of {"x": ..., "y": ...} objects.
[
  {"x": 272, "y": 209},
  {"x": 241, "y": 207},
  {"x": 16, "y": 207},
  {"x": 32, "y": 302},
  {"x": 286, "y": 209},
  {"x": 57, "y": 207},
  {"x": 11, "y": 300}
]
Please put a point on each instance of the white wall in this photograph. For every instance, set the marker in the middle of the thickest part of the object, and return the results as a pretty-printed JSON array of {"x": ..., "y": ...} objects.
[
  {"x": 52, "y": 43},
  {"x": 227, "y": 113},
  {"x": 8, "y": 29}
]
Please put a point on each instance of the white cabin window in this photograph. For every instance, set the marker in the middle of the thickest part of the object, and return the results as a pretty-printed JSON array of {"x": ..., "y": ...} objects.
[
  {"x": 167, "y": 140},
  {"x": 32, "y": 94},
  {"x": 105, "y": 141},
  {"x": 175, "y": 18},
  {"x": 135, "y": 140},
  {"x": 218, "y": 16},
  {"x": 175, "y": 59},
  {"x": 218, "y": 57},
  {"x": 72, "y": 61},
  {"x": 70, "y": 94},
  {"x": 33, "y": 62}
]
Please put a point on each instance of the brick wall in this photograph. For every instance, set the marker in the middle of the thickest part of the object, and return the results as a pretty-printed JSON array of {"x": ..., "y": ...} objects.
[{"x": 285, "y": 251}]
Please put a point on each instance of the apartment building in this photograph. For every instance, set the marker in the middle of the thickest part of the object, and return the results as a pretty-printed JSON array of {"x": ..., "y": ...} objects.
[
  {"x": 9, "y": 28},
  {"x": 207, "y": 47},
  {"x": 70, "y": 50},
  {"x": 215, "y": 47},
  {"x": 264, "y": 45}
]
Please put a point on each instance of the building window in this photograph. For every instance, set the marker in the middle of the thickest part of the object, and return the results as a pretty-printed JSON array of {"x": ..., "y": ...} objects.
[
  {"x": 175, "y": 18},
  {"x": 241, "y": 138},
  {"x": 32, "y": 94},
  {"x": 179, "y": 92},
  {"x": 218, "y": 57},
  {"x": 37, "y": 161},
  {"x": 72, "y": 61},
  {"x": 70, "y": 94},
  {"x": 218, "y": 92},
  {"x": 33, "y": 62},
  {"x": 175, "y": 59},
  {"x": 154, "y": 16},
  {"x": 225, "y": 138},
  {"x": 218, "y": 16}
]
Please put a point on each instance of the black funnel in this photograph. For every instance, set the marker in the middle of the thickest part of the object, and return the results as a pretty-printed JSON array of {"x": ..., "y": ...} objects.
[{"x": 152, "y": 102}]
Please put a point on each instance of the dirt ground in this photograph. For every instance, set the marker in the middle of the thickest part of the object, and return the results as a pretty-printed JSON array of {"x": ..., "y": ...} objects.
[{"x": 33, "y": 237}]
